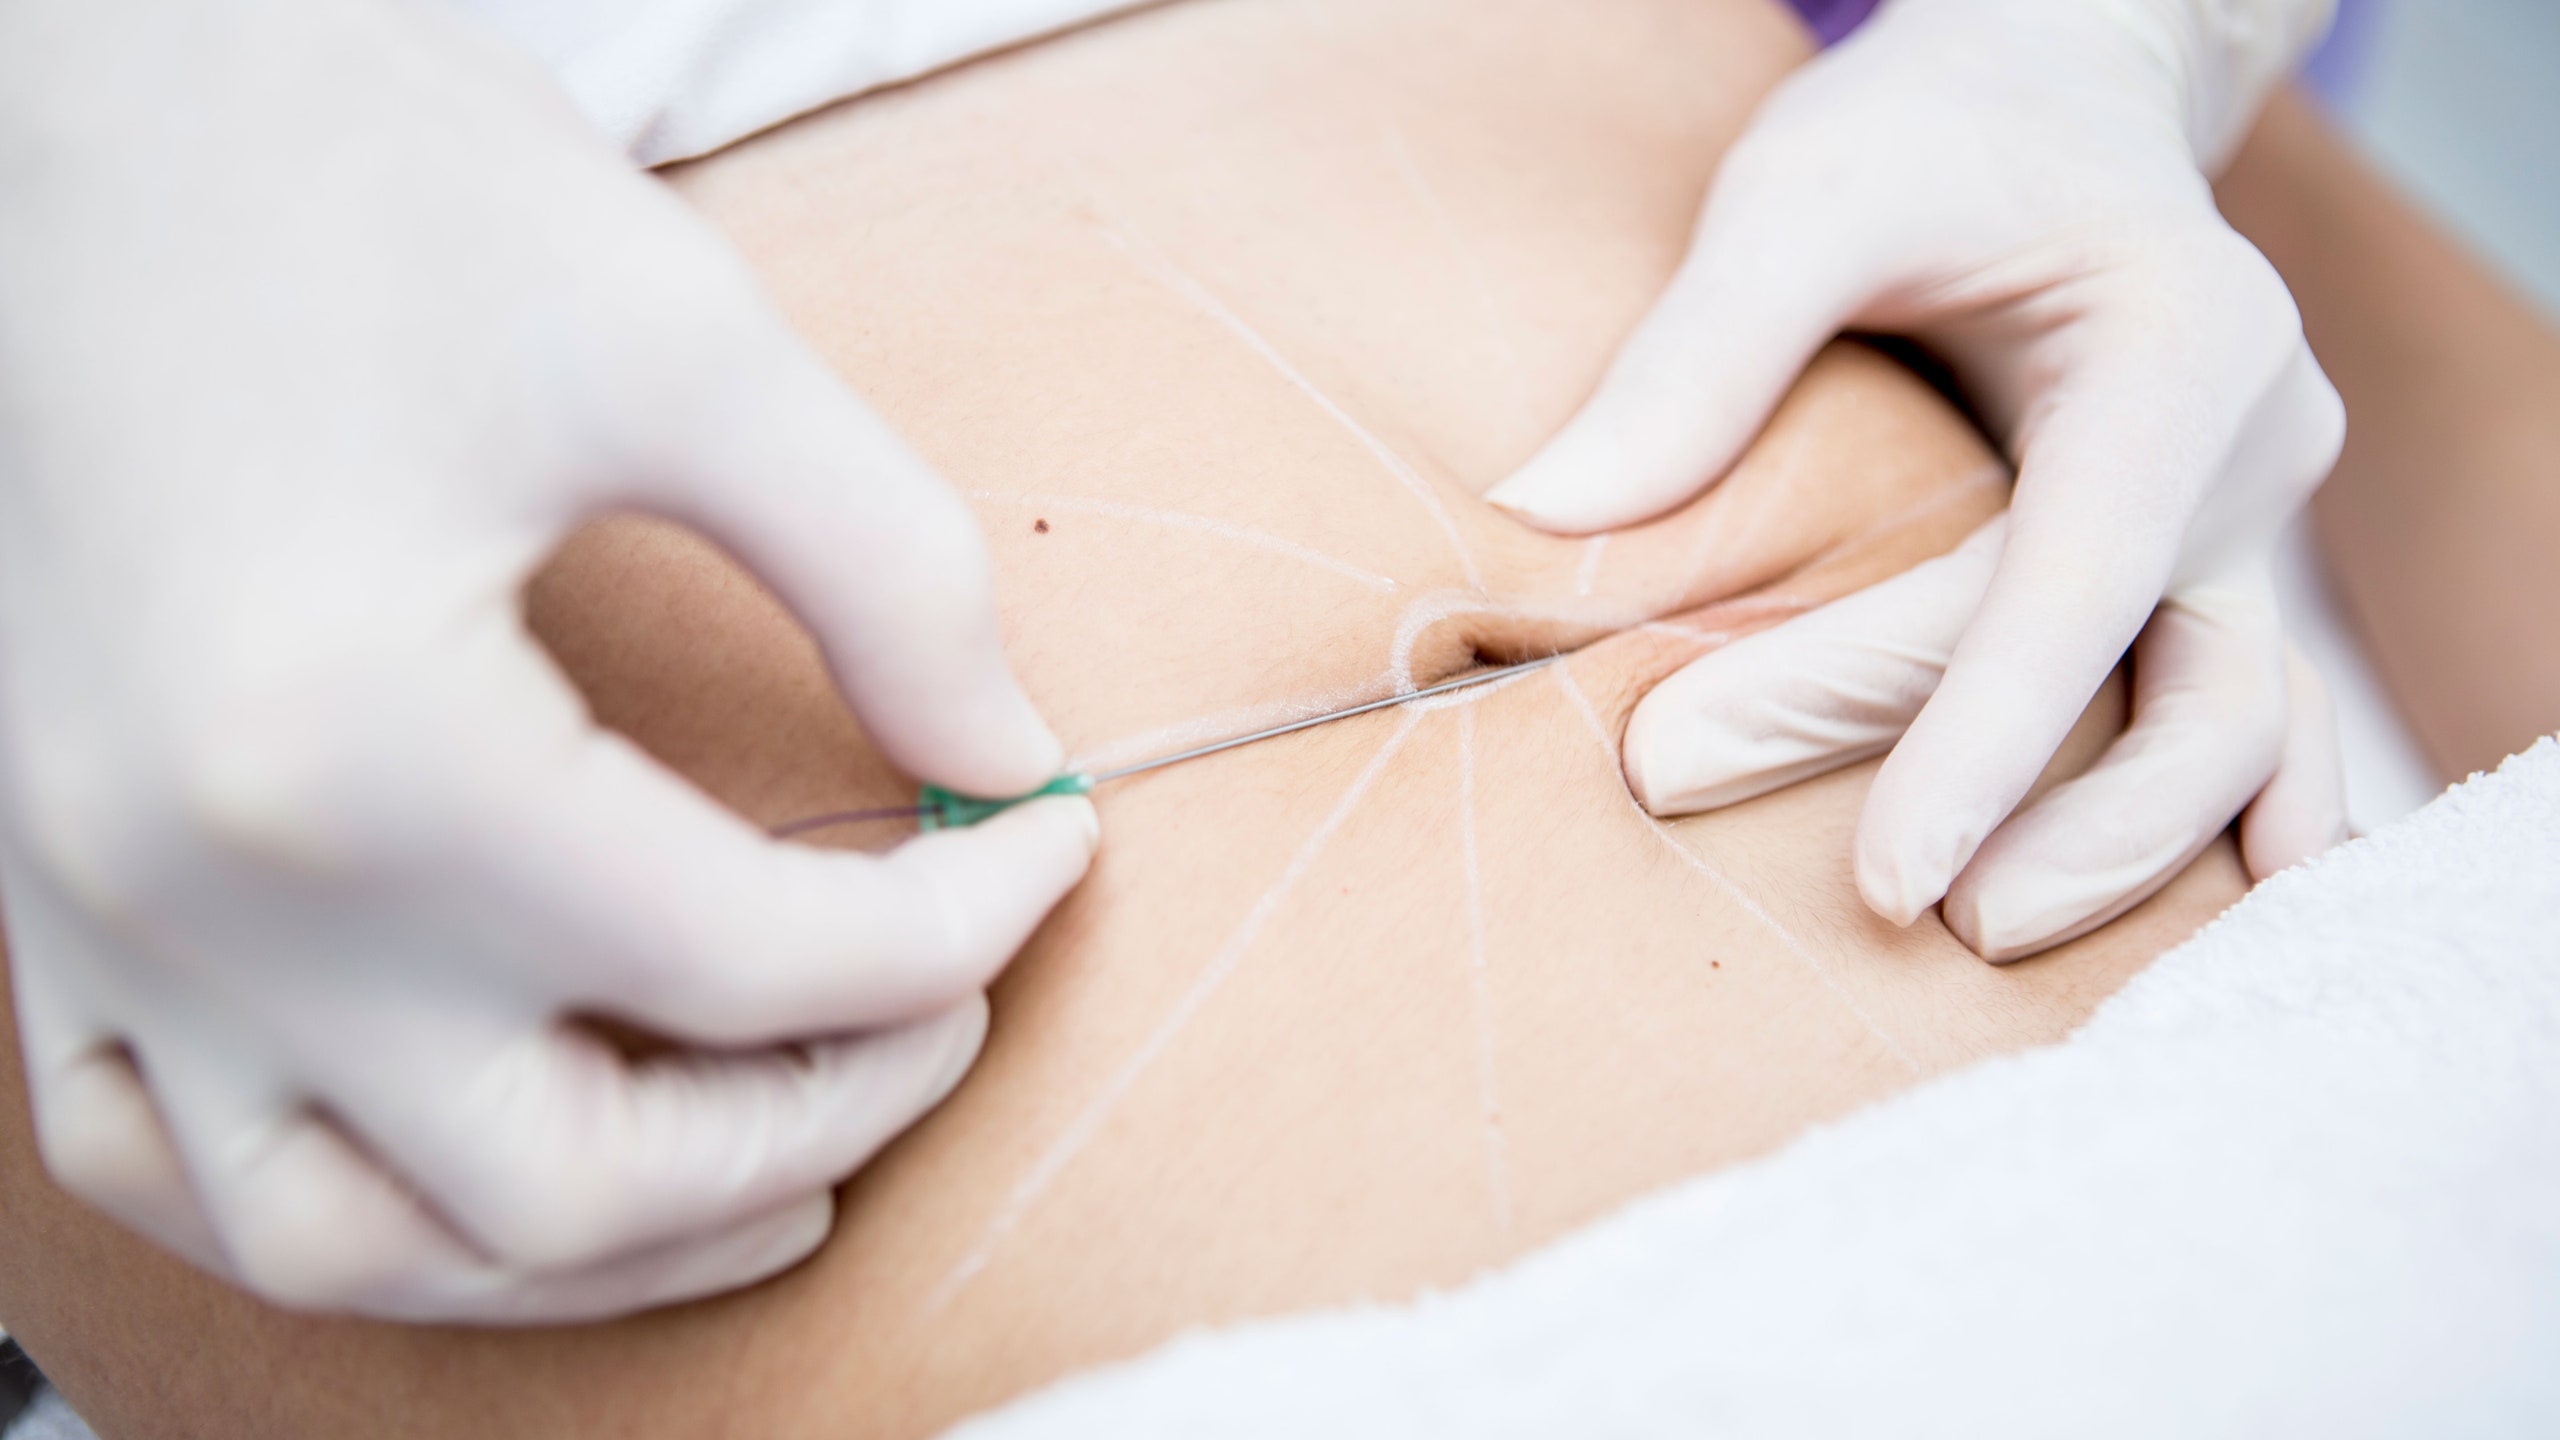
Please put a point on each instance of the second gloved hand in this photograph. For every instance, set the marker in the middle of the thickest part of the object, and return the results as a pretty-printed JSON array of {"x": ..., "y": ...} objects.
[
  {"x": 321, "y": 323},
  {"x": 2021, "y": 184},
  {"x": 2215, "y": 726}
]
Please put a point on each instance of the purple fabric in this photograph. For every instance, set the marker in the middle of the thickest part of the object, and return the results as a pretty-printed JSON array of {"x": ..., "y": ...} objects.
[
  {"x": 1831, "y": 19},
  {"x": 2336, "y": 69},
  {"x": 2333, "y": 69}
]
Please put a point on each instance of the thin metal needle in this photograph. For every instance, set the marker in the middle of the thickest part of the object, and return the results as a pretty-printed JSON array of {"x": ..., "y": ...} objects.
[
  {"x": 972, "y": 810},
  {"x": 1443, "y": 688}
]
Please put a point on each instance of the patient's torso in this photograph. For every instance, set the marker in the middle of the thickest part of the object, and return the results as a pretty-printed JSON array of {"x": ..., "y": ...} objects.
[{"x": 1222, "y": 315}]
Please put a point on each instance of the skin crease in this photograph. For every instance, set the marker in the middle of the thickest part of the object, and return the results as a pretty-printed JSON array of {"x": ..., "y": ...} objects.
[{"x": 1244, "y": 304}]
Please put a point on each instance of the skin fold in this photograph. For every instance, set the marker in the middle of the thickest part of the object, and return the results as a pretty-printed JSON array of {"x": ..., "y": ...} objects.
[{"x": 1222, "y": 316}]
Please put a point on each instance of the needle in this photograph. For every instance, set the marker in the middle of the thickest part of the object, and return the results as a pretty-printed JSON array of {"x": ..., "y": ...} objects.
[
  {"x": 939, "y": 809},
  {"x": 1444, "y": 687}
]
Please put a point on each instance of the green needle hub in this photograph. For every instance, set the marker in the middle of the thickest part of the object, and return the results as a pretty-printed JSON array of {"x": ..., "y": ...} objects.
[{"x": 940, "y": 809}]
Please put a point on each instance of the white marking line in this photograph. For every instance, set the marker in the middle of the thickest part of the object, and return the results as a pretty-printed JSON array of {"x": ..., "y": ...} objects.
[
  {"x": 1691, "y": 633},
  {"x": 1993, "y": 475},
  {"x": 1181, "y": 282},
  {"x": 1786, "y": 938},
  {"x": 1497, "y": 1170},
  {"x": 1088, "y": 1122},
  {"x": 1588, "y": 573},
  {"x": 1410, "y": 172},
  {"x": 1703, "y": 548},
  {"x": 1783, "y": 606},
  {"x": 1181, "y": 520}
]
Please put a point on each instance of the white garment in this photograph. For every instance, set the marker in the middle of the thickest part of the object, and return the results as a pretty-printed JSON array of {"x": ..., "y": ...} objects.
[
  {"x": 2301, "y": 1177},
  {"x": 2387, "y": 775},
  {"x": 672, "y": 79}
]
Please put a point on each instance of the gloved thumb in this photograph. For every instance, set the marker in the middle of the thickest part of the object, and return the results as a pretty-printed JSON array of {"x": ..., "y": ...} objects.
[{"x": 1765, "y": 283}]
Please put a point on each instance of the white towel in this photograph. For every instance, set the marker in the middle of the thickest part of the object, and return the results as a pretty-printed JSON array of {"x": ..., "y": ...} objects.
[{"x": 2300, "y": 1177}]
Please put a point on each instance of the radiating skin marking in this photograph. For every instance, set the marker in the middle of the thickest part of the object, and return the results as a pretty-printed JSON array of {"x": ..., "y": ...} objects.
[
  {"x": 1786, "y": 938},
  {"x": 1183, "y": 520},
  {"x": 1587, "y": 574},
  {"x": 1497, "y": 1172},
  {"x": 1161, "y": 268},
  {"x": 1062, "y": 1152},
  {"x": 1035, "y": 1183},
  {"x": 1408, "y": 170},
  {"x": 1420, "y": 613},
  {"x": 1991, "y": 476}
]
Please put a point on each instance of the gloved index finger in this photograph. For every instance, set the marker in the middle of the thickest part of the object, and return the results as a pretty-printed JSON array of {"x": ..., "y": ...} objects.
[
  {"x": 2095, "y": 524},
  {"x": 1767, "y": 280},
  {"x": 1825, "y": 689},
  {"x": 866, "y": 544}
]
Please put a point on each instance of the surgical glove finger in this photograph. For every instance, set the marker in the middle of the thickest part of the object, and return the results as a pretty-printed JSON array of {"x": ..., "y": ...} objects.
[
  {"x": 95, "y": 1126},
  {"x": 370, "y": 1246},
  {"x": 2303, "y": 810},
  {"x": 103, "y": 1141},
  {"x": 1766, "y": 281},
  {"x": 671, "y": 913},
  {"x": 2096, "y": 530},
  {"x": 584, "y": 1156},
  {"x": 2207, "y": 730},
  {"x": 1825, "y": 689}
]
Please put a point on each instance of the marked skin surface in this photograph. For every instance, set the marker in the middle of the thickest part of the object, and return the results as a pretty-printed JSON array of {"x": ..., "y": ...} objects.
[{"x": 1222, "y": 315}]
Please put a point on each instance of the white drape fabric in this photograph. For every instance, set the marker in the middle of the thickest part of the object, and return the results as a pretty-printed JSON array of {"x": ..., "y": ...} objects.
[{"x": 672, "y": 79}]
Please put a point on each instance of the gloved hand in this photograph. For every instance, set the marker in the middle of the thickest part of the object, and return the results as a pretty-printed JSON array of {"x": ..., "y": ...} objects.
[
  {"x": 2021, "y": 184},
  {"x": 321, "y": 322},
  {"x": 2222, "y": 712}
]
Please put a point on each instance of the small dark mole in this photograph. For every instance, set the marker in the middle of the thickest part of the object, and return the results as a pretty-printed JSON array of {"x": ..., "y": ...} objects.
[
  {"x": 1715, "y": 964},
  {"x": 1040, "y": 525}
]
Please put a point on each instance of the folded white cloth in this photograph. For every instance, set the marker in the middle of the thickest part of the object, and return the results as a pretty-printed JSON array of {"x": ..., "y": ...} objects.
[
  {"x": 672, "y": 79},
  {"x": 2300, "y": 1177}
]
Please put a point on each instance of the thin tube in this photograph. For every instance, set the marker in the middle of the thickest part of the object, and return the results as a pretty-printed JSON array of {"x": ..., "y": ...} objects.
[
  {"x": 1443, "y": 688},
  {"x": 973, "y": 810},
  {"x": 845, "y": 817}
]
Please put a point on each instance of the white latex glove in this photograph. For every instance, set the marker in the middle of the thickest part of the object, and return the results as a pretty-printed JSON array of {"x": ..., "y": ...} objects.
[
  {"x": 2216, "y": 701},
  {"x": 2021, "y": 184},
  {"x": 321, "y": 322}
]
